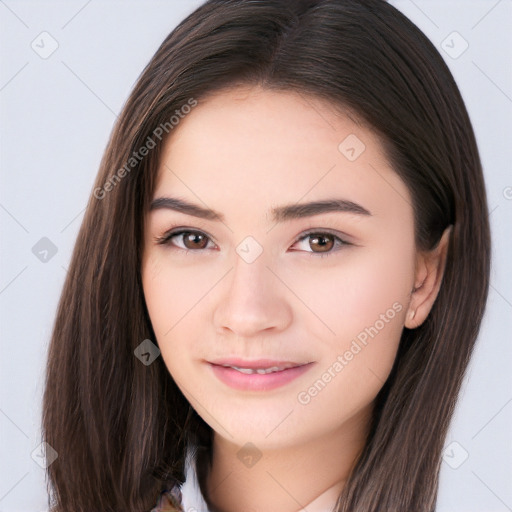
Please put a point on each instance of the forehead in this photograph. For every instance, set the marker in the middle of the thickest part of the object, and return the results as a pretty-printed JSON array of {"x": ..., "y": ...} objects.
[{"x": 254, "y": 148}]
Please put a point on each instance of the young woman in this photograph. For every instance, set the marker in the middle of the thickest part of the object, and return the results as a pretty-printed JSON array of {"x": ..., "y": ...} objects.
[{"x": 280, "y": 275}]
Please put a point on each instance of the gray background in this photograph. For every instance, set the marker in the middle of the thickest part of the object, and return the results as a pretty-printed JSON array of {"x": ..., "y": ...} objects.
[{"x": 57, "y": 112}]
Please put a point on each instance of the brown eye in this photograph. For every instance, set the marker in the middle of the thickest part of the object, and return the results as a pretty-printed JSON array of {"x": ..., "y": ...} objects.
[
  {"x": 186, "y": 240},
  {"x": 322, "y": 242},
  {"x": 319, "y": 243},
  {"x": 193, "y": 240}
]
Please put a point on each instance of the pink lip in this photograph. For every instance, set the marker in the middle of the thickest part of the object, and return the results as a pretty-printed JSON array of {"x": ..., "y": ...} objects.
[{"x": 256, "y": 381}]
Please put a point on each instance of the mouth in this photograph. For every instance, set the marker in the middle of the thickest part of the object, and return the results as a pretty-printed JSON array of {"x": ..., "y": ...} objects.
[{"x": 260, "y": 375}]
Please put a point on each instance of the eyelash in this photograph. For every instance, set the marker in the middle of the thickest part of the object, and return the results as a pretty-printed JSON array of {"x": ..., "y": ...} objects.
[{"x": 166, "y": 240}]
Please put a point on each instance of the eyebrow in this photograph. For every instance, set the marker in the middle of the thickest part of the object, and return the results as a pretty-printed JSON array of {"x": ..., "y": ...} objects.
[{"x": 279, "y": 214}]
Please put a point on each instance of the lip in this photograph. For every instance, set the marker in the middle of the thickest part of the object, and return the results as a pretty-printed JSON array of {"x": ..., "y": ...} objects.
[{"x": 258, "y": 382}]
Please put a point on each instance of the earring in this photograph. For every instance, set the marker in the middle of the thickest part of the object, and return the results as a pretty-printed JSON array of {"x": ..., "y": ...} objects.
[{"x": 412, "y": 314}]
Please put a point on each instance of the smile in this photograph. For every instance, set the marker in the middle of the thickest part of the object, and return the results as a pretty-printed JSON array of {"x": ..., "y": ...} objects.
[{"x": 257, "y": 379}]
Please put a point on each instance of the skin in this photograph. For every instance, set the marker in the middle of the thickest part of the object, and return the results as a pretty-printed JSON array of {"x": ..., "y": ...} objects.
[{"x": 241, "y": 152}]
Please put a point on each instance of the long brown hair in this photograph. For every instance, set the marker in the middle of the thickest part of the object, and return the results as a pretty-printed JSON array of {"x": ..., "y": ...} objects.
[{"x": 120, "y": 427}]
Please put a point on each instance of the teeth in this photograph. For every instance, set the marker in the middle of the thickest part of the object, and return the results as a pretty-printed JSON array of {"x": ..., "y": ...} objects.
[
  {"x": 243, "y": 370},
  {"x": 261, "y": 371},
  {"x": 269, "y": 370}
]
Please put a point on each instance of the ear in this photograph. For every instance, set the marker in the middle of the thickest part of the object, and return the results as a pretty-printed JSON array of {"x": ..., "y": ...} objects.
[{"x": 429, "y": 272}]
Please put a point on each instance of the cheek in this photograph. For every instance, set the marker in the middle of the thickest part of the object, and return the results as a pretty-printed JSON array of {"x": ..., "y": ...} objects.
[
  {"x": 172, "y": 295},
  {"x": 353, "y": 292},
  {"x": 170, "y": 292},
  {"x": 363, "y": 301},
  {"x": 377, "y": 281}
]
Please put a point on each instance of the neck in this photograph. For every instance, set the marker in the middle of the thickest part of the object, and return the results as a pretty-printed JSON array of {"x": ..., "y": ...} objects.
[{"x": 309, "y": 476}]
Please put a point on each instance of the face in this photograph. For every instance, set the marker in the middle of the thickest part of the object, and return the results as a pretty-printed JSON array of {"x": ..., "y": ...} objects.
[{"x": 328, "y": 288}]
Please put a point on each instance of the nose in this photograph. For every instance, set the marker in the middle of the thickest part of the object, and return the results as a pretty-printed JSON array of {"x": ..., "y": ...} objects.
[{"x": 252, "y": 300}]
